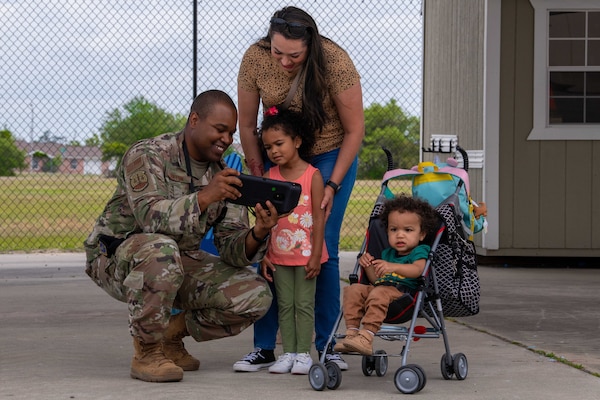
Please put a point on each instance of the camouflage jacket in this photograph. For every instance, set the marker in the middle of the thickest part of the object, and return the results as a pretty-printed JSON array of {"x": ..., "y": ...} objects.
[{"x": 153, "y": 196}]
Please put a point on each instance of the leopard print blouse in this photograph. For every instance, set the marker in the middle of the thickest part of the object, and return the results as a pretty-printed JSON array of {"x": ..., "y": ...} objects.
[{"x": 260, "y": 73}]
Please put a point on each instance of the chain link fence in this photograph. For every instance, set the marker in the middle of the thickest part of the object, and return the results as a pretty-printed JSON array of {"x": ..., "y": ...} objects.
[{"x": 71, "y": 70}]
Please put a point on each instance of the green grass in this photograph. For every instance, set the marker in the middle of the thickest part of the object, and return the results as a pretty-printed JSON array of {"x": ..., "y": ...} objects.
[
  {"x": 46, "y": 211},
  {"x": 50, "y": 211}
]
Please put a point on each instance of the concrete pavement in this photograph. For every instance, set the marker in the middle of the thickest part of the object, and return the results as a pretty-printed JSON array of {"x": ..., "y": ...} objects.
[{"x": 62, "y": 337}]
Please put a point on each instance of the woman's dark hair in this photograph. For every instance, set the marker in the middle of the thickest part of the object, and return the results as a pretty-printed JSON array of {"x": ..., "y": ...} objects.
[
  {"x": 314, "y": 66},
  {"x": 293, "y": 124},
  {"x": 403, "y": 203}
]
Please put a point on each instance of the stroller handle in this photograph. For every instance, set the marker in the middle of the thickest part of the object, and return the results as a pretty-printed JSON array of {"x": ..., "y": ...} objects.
[
  {"x": 465, "y": 157},
  {"x": 390, "y": 158}
]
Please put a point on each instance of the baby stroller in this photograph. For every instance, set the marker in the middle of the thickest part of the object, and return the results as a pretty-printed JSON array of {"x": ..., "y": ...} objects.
[{"x": 449, "y": 287}]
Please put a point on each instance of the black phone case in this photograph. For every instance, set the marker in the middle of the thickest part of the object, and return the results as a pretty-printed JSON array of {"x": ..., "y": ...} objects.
[{"x": 283, "y": 194}]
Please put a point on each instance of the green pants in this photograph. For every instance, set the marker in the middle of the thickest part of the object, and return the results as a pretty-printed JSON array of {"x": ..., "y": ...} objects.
[{"x": 296, "y": 303}]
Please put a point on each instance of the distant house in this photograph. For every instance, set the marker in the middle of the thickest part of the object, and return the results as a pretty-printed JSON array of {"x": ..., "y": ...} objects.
[
  {"x": 518, "y": 81},
  {"x": 83, "y": 160}
]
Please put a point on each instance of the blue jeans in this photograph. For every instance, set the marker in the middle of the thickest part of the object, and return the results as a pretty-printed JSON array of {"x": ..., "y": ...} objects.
[{"x": 327, "y": 297}]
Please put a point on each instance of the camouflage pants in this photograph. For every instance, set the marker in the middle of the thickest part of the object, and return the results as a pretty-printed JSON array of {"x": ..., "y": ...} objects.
[{"x": 152, "y": 276}]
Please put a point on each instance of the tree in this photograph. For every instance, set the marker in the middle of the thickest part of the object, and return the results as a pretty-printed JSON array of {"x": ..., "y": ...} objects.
[
  {"x": 49, "y": 163},
  {"x": 48, "y": 137},
  {"x": 388, "y": 126},
  {"x": 94, "y": 140},
  {"x": 12, "y": 158},
  {"x": 139, "y": 119}
]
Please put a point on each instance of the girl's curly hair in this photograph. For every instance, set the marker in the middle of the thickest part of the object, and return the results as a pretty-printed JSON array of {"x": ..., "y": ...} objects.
[
  {"x": 404, "y": 203},
  {"x": 293, "y": 124}
]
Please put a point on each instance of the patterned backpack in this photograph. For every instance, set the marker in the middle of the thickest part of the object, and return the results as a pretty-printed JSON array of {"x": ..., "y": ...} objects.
[{"x": 455, "y": 264}]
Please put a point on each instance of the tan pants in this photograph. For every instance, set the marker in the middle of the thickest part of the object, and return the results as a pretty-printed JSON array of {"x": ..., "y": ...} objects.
[{"x": 367, "y": 303}]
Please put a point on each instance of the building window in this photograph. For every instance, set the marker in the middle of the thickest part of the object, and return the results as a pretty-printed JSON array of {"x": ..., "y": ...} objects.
[
  {"x": 573, "y": 54},
  {"x": 566, "y": 70}
]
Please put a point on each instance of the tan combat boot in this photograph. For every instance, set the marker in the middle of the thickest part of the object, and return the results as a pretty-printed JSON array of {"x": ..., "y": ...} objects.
[
  {"x": 173, "y": 347},
  {"x": 150, "y": 364}
]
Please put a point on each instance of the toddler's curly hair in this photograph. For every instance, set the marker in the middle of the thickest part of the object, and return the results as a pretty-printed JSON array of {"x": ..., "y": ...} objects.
[{"x": 404, "y": 203}]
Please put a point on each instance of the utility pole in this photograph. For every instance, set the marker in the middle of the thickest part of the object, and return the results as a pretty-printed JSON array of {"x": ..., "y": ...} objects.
[
  {"x": 31, "y": 127},
  {"x": 195, "y": 50}
]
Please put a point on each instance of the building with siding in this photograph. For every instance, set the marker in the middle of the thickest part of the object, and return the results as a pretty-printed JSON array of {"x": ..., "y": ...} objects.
[{"x": 518, "y": 82}]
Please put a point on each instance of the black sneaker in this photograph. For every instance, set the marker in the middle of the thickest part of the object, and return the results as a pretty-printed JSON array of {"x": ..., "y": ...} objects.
[
  {"x": 336, "y": 358},
  {"x": 255, "y": 361}
]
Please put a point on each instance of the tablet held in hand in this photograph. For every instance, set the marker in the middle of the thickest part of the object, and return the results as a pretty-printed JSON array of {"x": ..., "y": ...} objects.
[{"x": 282, "y": 194}]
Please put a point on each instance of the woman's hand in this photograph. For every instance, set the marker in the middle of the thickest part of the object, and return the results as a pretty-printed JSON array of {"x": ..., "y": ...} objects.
[
  {"x": 248, "y": 103},
  {"x": 327, "y": 202}
]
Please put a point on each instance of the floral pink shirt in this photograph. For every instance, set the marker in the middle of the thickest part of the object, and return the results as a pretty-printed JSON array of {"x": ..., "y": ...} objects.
[{"x": 291, "y": 238}]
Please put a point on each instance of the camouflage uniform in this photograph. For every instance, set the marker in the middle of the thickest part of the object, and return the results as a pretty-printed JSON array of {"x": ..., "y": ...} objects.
[{"x": 156, "y": 222}]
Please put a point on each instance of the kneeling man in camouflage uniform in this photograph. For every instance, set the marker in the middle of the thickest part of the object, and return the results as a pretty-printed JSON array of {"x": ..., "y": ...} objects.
[{"x": 144, "y": 248}]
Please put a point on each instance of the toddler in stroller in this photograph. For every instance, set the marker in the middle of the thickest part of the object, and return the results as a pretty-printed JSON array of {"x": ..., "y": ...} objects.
[
  {"x": 390, "y": 273},
  {"x": 440, "y": 282}
]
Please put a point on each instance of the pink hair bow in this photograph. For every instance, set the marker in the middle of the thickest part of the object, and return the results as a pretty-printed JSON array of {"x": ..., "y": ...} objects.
[{"x": 271, "y": 111}]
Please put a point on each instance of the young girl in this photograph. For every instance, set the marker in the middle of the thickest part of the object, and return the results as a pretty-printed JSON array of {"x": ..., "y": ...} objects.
[
  {"x": 297, "y": 247},
  {"x": 407, "y": 221}
]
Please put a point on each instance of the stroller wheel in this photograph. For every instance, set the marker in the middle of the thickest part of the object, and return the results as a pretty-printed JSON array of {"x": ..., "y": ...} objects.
[
  {"x": 334, "y": 375},
  {"x": 318, "y": 376},
  {"x": 460, "y": 365},
  {"x": 368, "y": 365},
  {"x": 423, "y": 377},
  {"x": 381, "y": 362},
  {"x": 447, "y": 368},
  {"x": 409, "y": 379}
]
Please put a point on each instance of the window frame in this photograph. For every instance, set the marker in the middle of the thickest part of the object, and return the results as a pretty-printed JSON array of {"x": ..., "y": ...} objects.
[{"x": 542, "y": 130}]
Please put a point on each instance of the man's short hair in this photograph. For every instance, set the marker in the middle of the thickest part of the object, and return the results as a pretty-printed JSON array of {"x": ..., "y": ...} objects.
[{"x": 204, "y": 102}]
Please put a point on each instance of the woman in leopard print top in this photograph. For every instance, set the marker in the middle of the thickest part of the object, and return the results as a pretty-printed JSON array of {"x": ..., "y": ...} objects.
[{"x": 329, "y": 96}]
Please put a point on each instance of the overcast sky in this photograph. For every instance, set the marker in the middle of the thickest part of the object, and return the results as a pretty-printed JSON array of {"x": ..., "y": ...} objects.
[{"x": 64, "y": 64}]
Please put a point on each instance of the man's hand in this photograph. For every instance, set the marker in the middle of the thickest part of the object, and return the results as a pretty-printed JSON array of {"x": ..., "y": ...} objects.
[
  {"x": 267, "y": 268},
  {"x": 221, "y": 187},
  {"x": 266, "y": 218}
]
